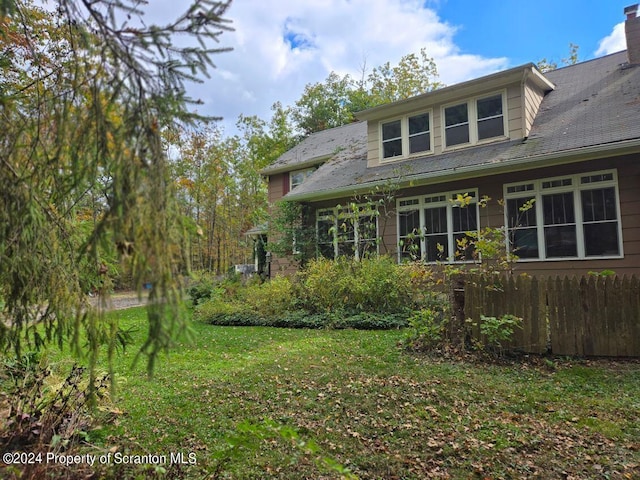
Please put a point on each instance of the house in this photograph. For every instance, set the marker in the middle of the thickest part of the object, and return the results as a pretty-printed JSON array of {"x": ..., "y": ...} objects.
[{"x": 566, "y": 143}]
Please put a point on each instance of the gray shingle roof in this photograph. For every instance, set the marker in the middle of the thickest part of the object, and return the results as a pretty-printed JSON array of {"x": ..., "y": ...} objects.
[
  {"x": 595, "y": 105},
  {"x": 317, "y": 147}
]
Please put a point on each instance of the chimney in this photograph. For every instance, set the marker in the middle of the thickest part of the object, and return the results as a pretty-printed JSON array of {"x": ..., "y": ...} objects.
[{"x": 632, "y": 32}]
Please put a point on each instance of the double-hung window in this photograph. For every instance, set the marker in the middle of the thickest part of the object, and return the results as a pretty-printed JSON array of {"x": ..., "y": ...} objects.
[
  {"x": 456, "y": 124},
  {"x": 435, "y": 227},
  {"x": 490, "y": 117},
  {"x": 347, "y": 232},
  {"x": 406, "y": 136},
  {"x": 474, "y": 121},
  {"x": 568, "y": 217}
]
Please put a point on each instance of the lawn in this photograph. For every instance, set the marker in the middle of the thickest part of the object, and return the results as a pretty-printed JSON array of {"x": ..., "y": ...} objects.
[{"x": 294, "y": 401}]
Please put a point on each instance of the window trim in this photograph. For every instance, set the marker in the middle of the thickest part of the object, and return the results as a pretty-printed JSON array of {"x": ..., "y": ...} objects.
[
  {"x": 575, "y": 188},
  {"x": 472, "y": 121},
  {"x": 405, "y": 136},
  {"x": 421, "y": 205}
]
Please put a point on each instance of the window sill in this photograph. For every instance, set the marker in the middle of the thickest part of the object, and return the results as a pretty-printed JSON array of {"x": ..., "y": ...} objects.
[
  {"x": 570, "y": 259},
  {"x": 479, "y": 143},
  {"x": 399, "y": 158}
]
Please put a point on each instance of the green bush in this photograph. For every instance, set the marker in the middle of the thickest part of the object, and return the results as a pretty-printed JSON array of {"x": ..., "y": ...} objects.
[
  {"x": 427, "y": 329},
  {"x": 372, "y": 321},
  {"x": 374, "y": 293},
  {"x": 204, "y": 289},
  {"x": 271, "y": 298},
  {"x": 204, "y": 312},
  {"x": 375, "y": 285},
  {"x": 499, "y": 330}
]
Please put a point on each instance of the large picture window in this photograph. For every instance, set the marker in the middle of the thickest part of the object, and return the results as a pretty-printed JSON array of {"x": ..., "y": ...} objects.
[
  {"x": 405, "y": 136},
  {"x": 564, "y": 218},
  {"x": 433, "y": 228}
]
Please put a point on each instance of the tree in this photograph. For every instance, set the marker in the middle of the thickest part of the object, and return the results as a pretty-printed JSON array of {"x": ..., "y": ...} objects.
[
  {"x": 85, "y": 92},
  {"x": 545, "y": 65},
  {"x": 324, "y": 105},
  {"x": 414, "y": 75},
  {"x": 335, "y": 101}
]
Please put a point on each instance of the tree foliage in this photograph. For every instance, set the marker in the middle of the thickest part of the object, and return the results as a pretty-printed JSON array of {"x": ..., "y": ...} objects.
[
  {"x": 335, "y": 101},
  {"x": 545, "y": 65},
  {"x": 85, "y": 91}
]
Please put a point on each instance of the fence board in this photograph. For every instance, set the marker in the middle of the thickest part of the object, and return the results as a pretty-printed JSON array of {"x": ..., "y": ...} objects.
[{"x": 593, "y": 316}]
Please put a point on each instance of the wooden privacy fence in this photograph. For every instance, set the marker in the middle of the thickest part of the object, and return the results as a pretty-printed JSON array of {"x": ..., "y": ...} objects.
[{"x": 591, "y": 315}]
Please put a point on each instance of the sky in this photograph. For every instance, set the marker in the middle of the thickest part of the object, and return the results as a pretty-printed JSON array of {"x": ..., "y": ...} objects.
[{"x": 279, "y": 46}]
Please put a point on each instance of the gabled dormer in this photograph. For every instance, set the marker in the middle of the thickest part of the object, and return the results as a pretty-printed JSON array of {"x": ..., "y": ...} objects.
[{"x": 490, "y": 109}]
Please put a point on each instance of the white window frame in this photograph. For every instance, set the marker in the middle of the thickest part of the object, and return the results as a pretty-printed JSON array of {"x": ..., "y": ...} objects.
[
  {"x": 472, "y": 120},
  {"x": 430, "y": 200},
  {"x": 339, "y": 214},
  {"x": 560, "y": 184},
  {"x": 405, "y": 137},
  {"x": 306, "y": 173}
]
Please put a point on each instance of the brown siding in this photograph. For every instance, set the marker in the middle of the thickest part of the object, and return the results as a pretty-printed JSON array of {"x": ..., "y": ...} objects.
[
  {"x": 628, "y": 169},
  {"x": 276, "y": 187}
]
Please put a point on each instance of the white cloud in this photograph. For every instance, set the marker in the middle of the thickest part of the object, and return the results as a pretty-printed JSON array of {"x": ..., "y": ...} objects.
[
  {"x": 612, "y": 43},
  {"x": 279, "y": 47}
]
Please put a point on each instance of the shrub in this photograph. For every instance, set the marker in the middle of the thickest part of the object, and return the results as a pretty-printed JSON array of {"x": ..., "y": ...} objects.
[
  {"x": 374, "y": 285},
  {"x": 206, "y": 311},
  {"x": 499, "y": 329},
  {"x": 202, "y": 290},
  {"x": 372, "y": 321},
  {"x": 427, "y": 329},
  {"x": 271, "y": 298}
]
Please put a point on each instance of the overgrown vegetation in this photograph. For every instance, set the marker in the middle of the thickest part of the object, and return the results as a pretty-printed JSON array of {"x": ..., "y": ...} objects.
[{"x": 370, "y": 294}]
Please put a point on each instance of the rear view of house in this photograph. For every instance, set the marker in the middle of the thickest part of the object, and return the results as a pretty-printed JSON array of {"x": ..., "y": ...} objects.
[{"x": 558, "y": 153}]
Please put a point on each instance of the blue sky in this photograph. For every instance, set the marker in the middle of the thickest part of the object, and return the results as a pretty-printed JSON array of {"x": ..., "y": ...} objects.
[
  {"x": 282, "y": 45},
  {"x": 526, "y": 31}
]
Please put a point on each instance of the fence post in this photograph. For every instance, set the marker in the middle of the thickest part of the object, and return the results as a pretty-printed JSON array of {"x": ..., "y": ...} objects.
[{"x": 457, "y": 328}]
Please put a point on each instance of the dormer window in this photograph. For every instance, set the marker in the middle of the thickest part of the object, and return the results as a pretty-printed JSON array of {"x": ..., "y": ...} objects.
[
  {"x": 298, "y": 176},
  {"x": 490, "y": 117},
  {"x": 474, "y": 121},
  {"x": 406, "y": 136},
  {"x": 419, "y": 134},
  {"x": 456, "y": 124},
  {"x": 392, "y": 139}
]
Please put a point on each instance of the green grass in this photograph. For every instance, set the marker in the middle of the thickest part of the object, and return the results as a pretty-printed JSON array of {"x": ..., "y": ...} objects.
[{"x": 374, "y": 408}]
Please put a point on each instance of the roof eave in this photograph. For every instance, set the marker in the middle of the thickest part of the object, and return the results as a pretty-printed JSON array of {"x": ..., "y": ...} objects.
[
  {"x": 524, "y": 163},
  {"x": 292, "y": 167}
]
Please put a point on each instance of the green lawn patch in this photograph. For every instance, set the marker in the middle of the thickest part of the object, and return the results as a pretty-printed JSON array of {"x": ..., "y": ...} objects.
[{"x": 294, "y": 401}]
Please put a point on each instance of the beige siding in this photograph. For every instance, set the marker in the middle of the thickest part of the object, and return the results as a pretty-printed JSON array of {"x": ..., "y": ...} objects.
[
  {"x": 514, "y": 112},
  {"x": 373, "y": 144},
  {"x": 533, "y": 96},
  {"x": 438, "y": 142}
]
